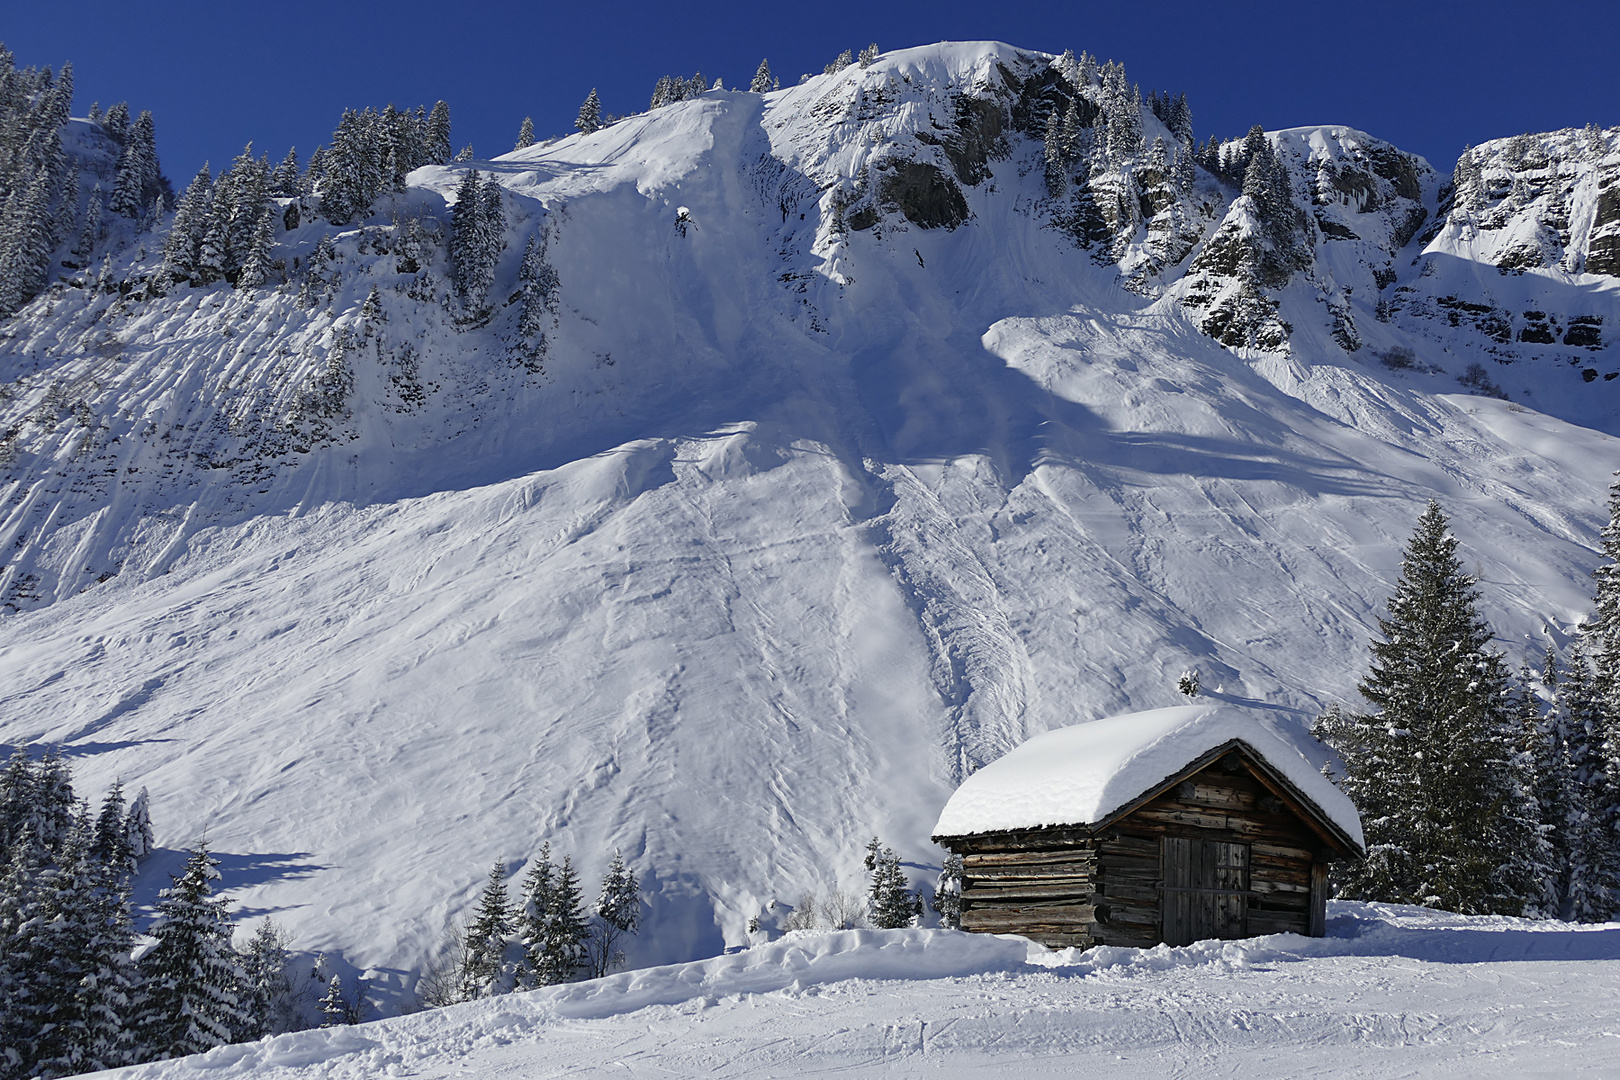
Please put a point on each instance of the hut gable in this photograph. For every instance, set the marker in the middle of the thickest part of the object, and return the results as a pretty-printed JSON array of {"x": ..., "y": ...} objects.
[{"x": 1092, "y": 836}]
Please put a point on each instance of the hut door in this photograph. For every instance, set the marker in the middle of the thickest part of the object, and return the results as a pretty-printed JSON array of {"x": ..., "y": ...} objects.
[{"x": 1206, "y": 889}]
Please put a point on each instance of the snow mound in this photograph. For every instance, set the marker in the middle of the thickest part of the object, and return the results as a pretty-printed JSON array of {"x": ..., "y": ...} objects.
[
  {"x": 1080, "y": 775},
  {"x": 1390, "y": 985}
]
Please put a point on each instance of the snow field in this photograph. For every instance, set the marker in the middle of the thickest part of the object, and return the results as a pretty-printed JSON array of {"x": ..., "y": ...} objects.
[{"x": 1391, "y": 992}]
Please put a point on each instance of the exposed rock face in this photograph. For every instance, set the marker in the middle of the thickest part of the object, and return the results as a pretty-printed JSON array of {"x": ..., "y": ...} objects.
[
  {"x": 1544, "y": 212},
  {"x": 1603, "y": 244},
  {"x": 1355, "y": 201},
  {"x": 925, "y": 195}
]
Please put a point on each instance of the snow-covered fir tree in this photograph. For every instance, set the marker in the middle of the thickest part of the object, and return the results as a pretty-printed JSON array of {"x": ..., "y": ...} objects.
[
  {"x": 762, "y": 81},
  {"x": 437, "y": 135},
  {"x": 477, "y": 235},
  {"x": 138, "y": 825},
  {"x": 891, "y": 904},
  {"x": 1435, "y": 771},
  {"x": 286, "y": 181},
  {"x": 86, "y": 978},
  {"x": 1543, "y": 748},
  {"x": 538, "y": 281},
  {"x": 1588, "y": 839},
  {"x": 182, "y": 250},
  {"x": 268, "y": 996},
  {"x": 335, "y": 1010},
  {"x": 618, "y": 915},
  {"x": 483, "y": 963},
  {"x": 191, "y": 978},
  {"x": 590, "y": 113},
  {"x": 948, "y": 893}
]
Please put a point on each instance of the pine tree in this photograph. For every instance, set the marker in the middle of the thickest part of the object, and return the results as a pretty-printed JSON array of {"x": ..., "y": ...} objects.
[
  {"x": 64, "y": 225},
  {"x": 525, "y": 137},
  {"x": 868, "y": 55},
  {"x": 1589, "y": 840},
  {"x": 183, "y": 247},
  {"x": 843, "y": 60},
  {"x": 618, "y": 913},
  {"x": 110, "y": 847},
  {"x": 437, "y": 139},
  {"x": 286, "y": 181},
  {"x": 1434, "y": 771},
  {"x": 532, "y": 922},
  {"x": 590, "y": 113},
  {"x": 52, "y": 813},
  {"x": 255, "y": 269},
  {"x": 138, "y": 826},
  {"x": 1543, "y": 745},
  {"x": 115, "y": 122},
  {"x": 90, "y": 234},
  {"x": 483, "y": 962},
  {"x": 1056, "y": 166},
  {"x": 1603, "y": 628},
  {"x": 477, "y": 235},
  {"x": 16, "y": 799},
  {"x": 86, "y": 976},
  {"x": 539, "y": 288},
  {"x": 334, "y": 1009},
  {"x": 948, "y": 893},
  {"x": 891, "y": 904},
  {"x": 25, "y": 962},
  {"x": 268, "y": 997},
  {"x": 762, "y": 79},
  {"x": 569, "y": 930},
  {"x": 190, "y": 978}
]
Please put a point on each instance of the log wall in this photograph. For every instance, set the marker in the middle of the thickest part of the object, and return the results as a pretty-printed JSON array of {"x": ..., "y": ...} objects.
[{"x": 1072, "y": 886}]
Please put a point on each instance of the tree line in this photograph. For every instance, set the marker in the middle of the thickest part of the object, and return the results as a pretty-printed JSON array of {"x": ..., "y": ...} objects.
[
  {"x": 79, "y": 989},
  {"x": 547, "y": 937},
  {"x": 1482, "y": 791}
]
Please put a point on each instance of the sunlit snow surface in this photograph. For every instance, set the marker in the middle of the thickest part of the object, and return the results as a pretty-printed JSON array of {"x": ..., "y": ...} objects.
[
  {"x": 1391, "y": 992},
  {"x": 792, "y": 534}
]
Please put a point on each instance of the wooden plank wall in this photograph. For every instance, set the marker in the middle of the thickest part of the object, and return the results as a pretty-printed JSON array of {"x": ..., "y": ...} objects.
[{"x": 1069, "y": 887}]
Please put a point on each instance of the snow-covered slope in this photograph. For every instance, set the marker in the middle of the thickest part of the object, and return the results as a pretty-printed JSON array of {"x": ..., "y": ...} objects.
[{"x": 845, "y": 469}]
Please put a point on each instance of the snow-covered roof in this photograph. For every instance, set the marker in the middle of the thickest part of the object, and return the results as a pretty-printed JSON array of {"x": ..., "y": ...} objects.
[{"x": 1081, "y": 775}]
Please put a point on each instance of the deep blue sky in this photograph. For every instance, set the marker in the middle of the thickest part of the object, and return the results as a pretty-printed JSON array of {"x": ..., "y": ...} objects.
[{"x": 1428, "y": 76}]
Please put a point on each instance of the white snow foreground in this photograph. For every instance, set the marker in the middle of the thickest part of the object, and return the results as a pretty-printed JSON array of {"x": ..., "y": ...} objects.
[
  {"x": 1081, "y": 774},
  {"x": 1391, "y": 992}
]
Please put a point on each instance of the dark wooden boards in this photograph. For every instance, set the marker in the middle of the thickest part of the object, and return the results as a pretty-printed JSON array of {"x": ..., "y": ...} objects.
[{"x": 1216, "y": 854}]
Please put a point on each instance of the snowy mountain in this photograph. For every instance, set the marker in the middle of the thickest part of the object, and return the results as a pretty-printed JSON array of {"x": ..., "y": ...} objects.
[{"x": 861, "y": 438}]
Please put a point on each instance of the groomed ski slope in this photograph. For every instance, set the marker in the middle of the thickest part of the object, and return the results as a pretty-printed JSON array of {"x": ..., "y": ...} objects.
[
  {"x": 751, "y": 574},
  {"x": 1391, "y": 992}
]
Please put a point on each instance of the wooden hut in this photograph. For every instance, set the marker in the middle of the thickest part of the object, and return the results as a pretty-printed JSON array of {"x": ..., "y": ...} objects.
[{"x": 1175, "y": 825}]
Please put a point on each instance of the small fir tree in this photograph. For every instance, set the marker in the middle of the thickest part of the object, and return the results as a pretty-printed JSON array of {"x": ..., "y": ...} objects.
[
  {"x": 891, "y": 904},
  {"x": 191, "y": 979},
  {"x": 590, "y": 113},
  {"x": 532, "y": 922},
  {"x": 335, "y": 1010},
  {"x": 269, "y": 999},
  {"x": 618, "y": 914},
  {"x": 525, "y": 137},
  {"x": 762, "y": 79},
  {"x": 948, "y": 893},
  {"x": 483, "y": 966}
]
